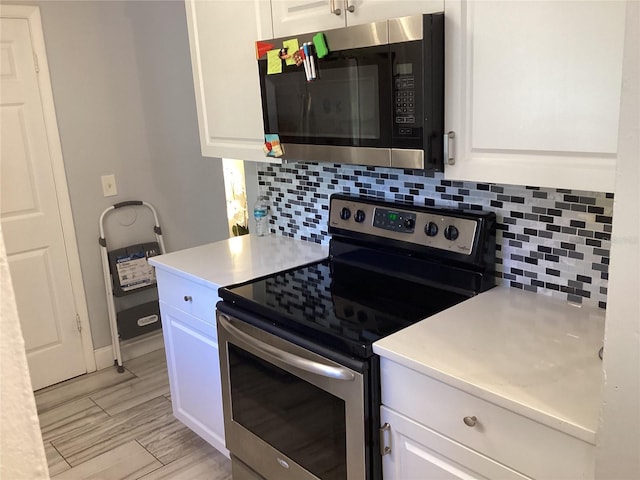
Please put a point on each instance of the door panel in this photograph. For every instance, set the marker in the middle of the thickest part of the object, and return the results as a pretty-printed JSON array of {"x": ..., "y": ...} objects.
[{"x": 30, "y": 217}]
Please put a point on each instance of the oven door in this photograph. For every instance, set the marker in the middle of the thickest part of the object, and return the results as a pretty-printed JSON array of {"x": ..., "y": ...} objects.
[{"x": 288, "y": 412}]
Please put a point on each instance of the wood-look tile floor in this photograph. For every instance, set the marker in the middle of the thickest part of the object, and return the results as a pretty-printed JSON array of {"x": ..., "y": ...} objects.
[{"x": 110, "y": 426}]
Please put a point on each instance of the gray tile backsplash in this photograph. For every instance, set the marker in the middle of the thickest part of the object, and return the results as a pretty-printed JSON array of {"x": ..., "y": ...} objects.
[{"x": 551, "y": 241}]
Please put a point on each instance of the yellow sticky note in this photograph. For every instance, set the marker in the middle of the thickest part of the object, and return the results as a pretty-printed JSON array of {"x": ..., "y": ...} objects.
[
  {"x": 291, "y": 46},
  {"x": 274, "y": 64}
]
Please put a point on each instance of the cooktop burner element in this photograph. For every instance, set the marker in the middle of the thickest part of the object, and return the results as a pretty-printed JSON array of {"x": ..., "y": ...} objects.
[{"x": 390, "y": 265}]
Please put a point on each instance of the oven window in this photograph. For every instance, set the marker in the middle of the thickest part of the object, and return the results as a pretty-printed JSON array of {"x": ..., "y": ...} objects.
[{"x": 300, "y": 420}]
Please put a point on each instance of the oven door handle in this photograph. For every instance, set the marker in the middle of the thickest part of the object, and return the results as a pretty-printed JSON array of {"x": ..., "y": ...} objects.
[{"x": 305, "y": 364}]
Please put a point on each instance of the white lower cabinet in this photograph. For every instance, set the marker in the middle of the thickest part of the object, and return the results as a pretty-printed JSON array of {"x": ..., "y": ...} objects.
[
  {"x": 191, "y": 345},
  {"x": 419, "y": 453},
  {"x": 435, "y": 431}
]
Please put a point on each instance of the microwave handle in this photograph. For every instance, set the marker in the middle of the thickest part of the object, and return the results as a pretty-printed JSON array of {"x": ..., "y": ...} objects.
[
  {"x": 449, "y": 148},
  {"x": 311, "y": 366}
]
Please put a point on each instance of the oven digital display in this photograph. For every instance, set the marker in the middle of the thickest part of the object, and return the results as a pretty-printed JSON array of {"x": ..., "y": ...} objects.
[{"x": 394, "y": 220}]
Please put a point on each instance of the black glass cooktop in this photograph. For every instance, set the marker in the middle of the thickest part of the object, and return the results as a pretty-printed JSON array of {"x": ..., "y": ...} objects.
[{"x": 345, "y": 309}]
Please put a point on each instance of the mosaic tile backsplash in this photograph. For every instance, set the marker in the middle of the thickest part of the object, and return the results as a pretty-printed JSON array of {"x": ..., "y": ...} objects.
[{"x": 551, "y": 241}]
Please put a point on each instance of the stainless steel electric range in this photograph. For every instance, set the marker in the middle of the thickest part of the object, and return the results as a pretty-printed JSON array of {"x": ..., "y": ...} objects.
[{"x": 300, "y": 381}]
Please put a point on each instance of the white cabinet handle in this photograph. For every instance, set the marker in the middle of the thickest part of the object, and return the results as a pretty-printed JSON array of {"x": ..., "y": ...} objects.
[
  {"x": 333, "y": 9},
  {"x": 384, "y": 448},
  {"x": 449, "y": 148},
  {"x": 470, "y": 421},
  {"x": 187, "y": 298}
]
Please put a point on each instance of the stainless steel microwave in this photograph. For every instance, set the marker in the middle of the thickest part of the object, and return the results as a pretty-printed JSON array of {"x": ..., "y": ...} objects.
[{"x": 378, "y": 98}]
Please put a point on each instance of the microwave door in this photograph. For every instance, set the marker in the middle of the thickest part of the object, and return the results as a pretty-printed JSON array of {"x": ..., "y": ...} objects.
[
  {"x": 347, "y": 106},
  {"x": 305, "y": 112},
  {"x": 356, "y": 98}
]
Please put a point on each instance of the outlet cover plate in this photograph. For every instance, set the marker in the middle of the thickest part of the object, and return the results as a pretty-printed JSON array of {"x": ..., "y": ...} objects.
[{"x": 109, "y": 188}]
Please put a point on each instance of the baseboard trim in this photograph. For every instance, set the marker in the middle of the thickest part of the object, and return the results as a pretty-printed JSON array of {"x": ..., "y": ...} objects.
[{"x": 136, "y": 347}]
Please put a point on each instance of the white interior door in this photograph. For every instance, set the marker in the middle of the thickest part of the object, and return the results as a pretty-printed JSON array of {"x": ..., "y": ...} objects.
[{"x": 30, "y": 216}]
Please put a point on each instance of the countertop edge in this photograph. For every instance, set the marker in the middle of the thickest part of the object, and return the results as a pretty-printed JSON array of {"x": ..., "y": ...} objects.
[{"x": 184, "y": 274}]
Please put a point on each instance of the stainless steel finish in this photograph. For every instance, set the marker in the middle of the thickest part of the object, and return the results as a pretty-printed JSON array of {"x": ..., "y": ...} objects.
[
  {"x": 332, "y": 7},
  {"x": 240, "y": 471},
  {"x": 470, "y": 421},
  {"x": 261, "y": 456},
  {"x": 449, "y": 148},
  {"x": 407, "y": 158},
  {"x": 316, "y": 367},
  {"x": 358, "y": 36},
  {"x": 350, "y": 8},
  {"x": 376, "y": 157},
  {"x": 384, "y": 448},
  {"x": 463, "y": 244},
  {"x": 405, "y": 29},
  {"x": 188, "y": 298},
  {"x": 344, "y": 38}
]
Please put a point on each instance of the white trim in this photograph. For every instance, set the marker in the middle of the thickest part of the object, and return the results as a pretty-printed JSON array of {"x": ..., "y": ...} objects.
[
  {"x": 32, "y": 15},
  {"x": 136, "y": 347}
]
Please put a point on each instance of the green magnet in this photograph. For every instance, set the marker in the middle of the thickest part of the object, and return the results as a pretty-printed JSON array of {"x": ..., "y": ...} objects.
[{"x": 320, "y": 45}]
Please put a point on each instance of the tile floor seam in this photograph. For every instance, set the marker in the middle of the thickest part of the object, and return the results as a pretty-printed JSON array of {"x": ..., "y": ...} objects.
[
  {"x": 162, "y": 464},
  {"x": 94, "y": 402},
  {"x": 61, "y": 456}
]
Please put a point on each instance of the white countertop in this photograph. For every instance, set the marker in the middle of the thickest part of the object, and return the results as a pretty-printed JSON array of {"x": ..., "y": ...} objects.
[
  {"x": 532, "y": 354},
  {"x": 239, "y": 259}
]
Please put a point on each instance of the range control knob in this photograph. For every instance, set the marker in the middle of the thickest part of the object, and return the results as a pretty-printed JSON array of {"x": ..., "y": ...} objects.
[
  {"x": 345, "y": 213},
  {"x": 431, "y": 229},
  {"x": 359, "y": 216},
  {"x": 451, "y": 233},
  {"x": 409, "y": 223}
]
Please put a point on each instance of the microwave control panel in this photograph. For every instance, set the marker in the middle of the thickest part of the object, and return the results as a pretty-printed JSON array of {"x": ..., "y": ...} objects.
[{"x": 405, "y": 104}]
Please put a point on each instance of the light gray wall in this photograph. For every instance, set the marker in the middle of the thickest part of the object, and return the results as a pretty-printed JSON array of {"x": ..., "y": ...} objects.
[{"x": 123, "y": 92}]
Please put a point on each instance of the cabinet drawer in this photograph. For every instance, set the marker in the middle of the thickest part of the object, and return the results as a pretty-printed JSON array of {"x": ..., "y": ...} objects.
[
  {"x": 522, "y": 444},
  {"x": 416, "y": 451},
  {"x": 188, "y": 296}
]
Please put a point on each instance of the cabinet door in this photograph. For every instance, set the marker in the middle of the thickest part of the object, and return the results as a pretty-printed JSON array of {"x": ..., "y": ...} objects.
[
  {"x": 533, "y": 91},
  {"x": 418, "y": 453},
  {"x": 291, "y": 17},
  {"x": 194, "y": 374},
  {"x": 222, "y": 37},
  {"x": 366, "y": 11}
]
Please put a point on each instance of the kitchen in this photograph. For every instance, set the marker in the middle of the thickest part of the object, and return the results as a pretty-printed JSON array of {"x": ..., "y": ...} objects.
[{"x": 152, "y": 180}]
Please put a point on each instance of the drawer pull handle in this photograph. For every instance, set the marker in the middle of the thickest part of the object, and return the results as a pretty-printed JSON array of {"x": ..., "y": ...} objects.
[
  {"x": 384, "y": 448},
  {"x": 187, "y": 298},
  {"x": 470, "y": 421}
]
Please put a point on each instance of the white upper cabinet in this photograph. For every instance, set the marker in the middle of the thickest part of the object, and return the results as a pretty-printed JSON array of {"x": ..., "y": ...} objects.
[
  {"x": 291, "y": 17},
  {"x": 533, "y": 91},
  {"x": 222, "y": 37}
]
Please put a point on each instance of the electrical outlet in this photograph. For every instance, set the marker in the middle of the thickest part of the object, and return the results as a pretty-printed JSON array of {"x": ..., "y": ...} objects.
[{"x": 109, "y": 188}]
